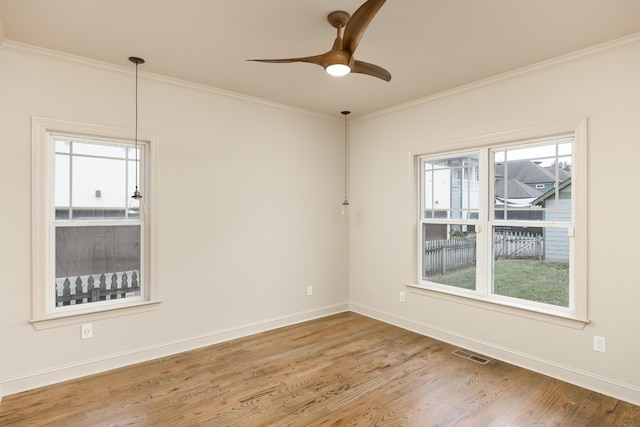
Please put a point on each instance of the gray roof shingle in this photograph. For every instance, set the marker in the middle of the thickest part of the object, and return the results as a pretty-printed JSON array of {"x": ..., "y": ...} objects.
[
  {"x": 515, "y": 190},
  {"x": 524, "y": 171}
]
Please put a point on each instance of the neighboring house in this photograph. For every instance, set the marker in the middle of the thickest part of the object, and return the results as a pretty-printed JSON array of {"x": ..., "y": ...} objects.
[
  {"x": 563, "y": 174},
  {"x": 525, "y": 182},
  {"x": 528, "y": 172},
  {"x": 515, "y": 194},
  {"x": 517, "y": 184},
  {"x": 556, "y": 246}
]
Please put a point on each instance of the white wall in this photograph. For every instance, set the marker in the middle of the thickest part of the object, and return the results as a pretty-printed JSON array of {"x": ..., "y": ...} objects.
[
  {"x": 605, "y": 88},
  {"x": 249, "y": 198},
  {"x": 265, "y": 186}
]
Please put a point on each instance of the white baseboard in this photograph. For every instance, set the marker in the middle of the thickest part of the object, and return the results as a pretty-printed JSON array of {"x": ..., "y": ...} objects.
[
  {"x": 72, "y": 371},
  {"x": 609, "y": 387},
  {"x": 626, "y": 392}
]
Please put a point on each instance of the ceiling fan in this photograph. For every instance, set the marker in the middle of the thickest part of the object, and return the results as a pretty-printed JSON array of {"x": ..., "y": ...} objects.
[{"x": 339, "y": 61}]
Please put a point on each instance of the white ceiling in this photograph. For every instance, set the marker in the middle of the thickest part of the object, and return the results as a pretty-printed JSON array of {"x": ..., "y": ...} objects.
[{"x": 428, "y": 45}]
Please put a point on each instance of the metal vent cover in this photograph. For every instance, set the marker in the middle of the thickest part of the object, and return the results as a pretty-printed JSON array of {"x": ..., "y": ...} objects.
[{"x": 470, "y": 356}]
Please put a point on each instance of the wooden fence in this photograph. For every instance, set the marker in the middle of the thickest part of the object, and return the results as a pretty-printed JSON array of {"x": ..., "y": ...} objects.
[
  {"x": 444, "y": 256},
  {"x": 447, "y": 255},
  {"x": 99, "y": 288},
  {"x": 518, "y": 245}
]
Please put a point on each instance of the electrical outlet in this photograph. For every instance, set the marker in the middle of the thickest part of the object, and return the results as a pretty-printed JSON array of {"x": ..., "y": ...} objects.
[
  {"x": 309, "y": 290},
  {"x": 599, "y": 344},
  {"x": 87, "y": 331},
  {"x": 402, "y": 296}
]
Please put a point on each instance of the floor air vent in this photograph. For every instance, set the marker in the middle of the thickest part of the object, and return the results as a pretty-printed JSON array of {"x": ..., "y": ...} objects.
[{"x": 469, "y": 356}]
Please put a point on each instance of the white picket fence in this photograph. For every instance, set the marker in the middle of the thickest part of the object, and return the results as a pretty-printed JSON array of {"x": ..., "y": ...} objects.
[
  {"x": 98, "y": 287},
  {"x": 443, "y": 256},
  {"x": 518, "y": 245},
  {"x": 447, "y": 255}
]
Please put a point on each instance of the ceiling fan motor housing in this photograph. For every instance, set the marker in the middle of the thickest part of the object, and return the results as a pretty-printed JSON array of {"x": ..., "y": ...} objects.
[{"x": 338, "y": 18}]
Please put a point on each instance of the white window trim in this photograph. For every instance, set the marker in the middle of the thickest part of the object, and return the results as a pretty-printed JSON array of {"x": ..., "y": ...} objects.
[
  {"x": 43, "y": 315},
  {"x": 577, "y": 316}
]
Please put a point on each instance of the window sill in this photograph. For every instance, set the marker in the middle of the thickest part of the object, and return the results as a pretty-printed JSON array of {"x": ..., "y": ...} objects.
[
  {"x": 74, "y": 318},
  {"x": 566, "y": 320}
]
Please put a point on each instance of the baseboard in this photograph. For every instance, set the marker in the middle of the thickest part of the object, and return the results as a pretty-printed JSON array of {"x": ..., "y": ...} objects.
[
  {"x": 609, "y": 387},
  {"x": 619, "y": 390},
  {"x": 59, "y": 374}
]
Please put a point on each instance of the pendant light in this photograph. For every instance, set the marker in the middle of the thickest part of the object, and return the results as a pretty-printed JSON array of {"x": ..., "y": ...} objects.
[
  {"x": 345, "y": 202},
  {"x": 135, "y": 203}
]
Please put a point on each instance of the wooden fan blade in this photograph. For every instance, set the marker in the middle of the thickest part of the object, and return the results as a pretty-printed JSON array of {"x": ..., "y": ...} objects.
[
  {"x": 359, "y": 22},
  {"x": 371, "y": 69},
  {"x": 316, "y": 59}
]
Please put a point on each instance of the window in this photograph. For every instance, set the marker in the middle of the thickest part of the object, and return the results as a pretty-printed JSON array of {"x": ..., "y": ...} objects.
[
  {"x": 92, "y": 246},
  {"x": 505, "y": 221},
  {"x": 450, "y": 210}
]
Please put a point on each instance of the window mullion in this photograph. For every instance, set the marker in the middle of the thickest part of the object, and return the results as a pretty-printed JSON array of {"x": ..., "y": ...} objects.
[
  {"x": 484, "y": 187},
  {"x": 70, "y": 182}
]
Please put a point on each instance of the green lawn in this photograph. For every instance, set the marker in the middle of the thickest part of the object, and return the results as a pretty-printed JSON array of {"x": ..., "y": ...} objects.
[{"x": 540, "y": 281}]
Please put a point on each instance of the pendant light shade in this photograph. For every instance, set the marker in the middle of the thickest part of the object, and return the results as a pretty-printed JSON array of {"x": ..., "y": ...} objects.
[
  {"x": 345, "y": 202},
  {"x": 135, "y": 202}
]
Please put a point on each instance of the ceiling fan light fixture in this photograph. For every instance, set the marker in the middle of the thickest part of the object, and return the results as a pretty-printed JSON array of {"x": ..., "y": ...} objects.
[
  {"x": 339, "y": 61},
  {"x": 338, "y": 70}
]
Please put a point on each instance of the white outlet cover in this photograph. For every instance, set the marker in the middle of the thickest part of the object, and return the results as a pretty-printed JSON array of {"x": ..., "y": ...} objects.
[
  {"x": 87, "y": 331},
  {"x": 599, "y": 344}
]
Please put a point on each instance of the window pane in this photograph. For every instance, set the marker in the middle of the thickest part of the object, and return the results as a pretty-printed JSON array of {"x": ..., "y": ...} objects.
[
  {"x": 565, "y": 149},
  {"x": 103, "y": 258},
  {"x": 133, "y": 168},
  {"x": 530, "y": 182},
  {"x": 449, "y": 255},
  {"x": 63, "y": 146},
  {"x": 99, "y": 150},
  {"x": 96, "y": 180},
  {"x": 62, "y": 181},
  {"x": 451, "y": 188},
  {"x": 532, "y": 264},
  {"x": 98, "y": 189}
]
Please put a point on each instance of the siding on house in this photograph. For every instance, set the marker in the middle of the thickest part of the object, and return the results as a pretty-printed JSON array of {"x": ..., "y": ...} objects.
[{"x": 556, "y": 239}]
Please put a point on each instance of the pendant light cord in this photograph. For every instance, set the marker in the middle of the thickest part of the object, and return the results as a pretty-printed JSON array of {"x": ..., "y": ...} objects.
[
  {"x": 346, "y": 141},
  {"x": 136, "y": 126},
  {"x": 137, "y": 61}
]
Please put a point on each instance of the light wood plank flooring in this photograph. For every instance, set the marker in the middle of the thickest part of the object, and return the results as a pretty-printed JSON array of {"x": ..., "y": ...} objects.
[{"x": 342, "y": 370}]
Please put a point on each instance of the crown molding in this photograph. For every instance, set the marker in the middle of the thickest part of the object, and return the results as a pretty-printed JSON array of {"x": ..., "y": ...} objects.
[
  {"x": 599, "y": 49},
  {"x": 620, "y": 43},
  {"x": 76, "y": 60}
]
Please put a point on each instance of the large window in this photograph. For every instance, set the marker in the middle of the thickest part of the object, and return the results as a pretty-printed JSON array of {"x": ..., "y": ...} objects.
[
  {"x": 505, "y": 222},
  {"x": 91, "y": 240}
]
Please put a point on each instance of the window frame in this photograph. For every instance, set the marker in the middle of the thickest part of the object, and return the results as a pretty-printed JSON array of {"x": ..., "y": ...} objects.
[
  {"x": 44, "y": 313},
  {"x": 422, "y": 220},
  {"x": 574, "y": 316}
]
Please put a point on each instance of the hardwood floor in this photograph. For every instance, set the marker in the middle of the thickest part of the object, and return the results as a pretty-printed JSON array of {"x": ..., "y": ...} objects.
[{"x": 342, "y": 370}]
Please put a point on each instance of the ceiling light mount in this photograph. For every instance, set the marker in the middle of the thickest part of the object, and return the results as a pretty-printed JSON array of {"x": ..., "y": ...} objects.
[
  {"x": 136, "y": 60},
  {"x": 338, "y": 18}
]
